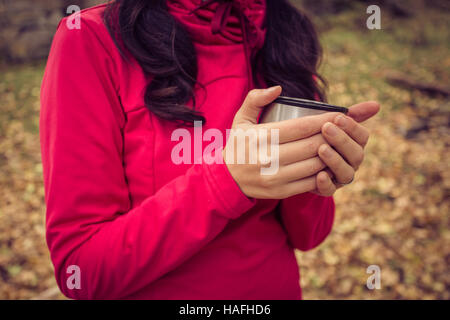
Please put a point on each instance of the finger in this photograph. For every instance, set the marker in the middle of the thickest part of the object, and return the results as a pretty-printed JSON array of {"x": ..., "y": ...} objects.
[
  {"x": 299, "y": 128},
  {"x": 363, "y": 111},
  {"x": 343, "y": 144},
  {"x": 356, "y": 131},
  {"x": 342, "y": 171},
  {"x": 299, "y": 150},
  {"x": 325, "y": 187},
  {"x": 300, "y": 170},
  {"x": 297, "y": 187},
  {"x": 255, "y": 101}
]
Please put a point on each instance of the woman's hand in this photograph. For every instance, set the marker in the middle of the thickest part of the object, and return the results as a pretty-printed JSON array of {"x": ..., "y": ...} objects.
[
  {"x": 298, "y": 162},
  {"x": 344, "y": 151}
]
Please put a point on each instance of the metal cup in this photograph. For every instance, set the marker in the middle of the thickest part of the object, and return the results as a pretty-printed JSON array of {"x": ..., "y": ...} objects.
[{"x": 285, "y": 108}]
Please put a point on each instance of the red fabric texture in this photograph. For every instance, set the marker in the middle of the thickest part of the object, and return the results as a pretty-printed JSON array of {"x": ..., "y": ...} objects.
[{"x": 137, "y": 225}]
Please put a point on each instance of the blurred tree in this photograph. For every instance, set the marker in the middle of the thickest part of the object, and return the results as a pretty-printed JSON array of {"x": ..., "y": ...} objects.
[
  {"x": 27, "y": 26},
  {"x": 395, "y": 7}
]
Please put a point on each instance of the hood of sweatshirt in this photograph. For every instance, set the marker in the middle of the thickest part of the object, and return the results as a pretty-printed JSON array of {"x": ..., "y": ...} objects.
[
  {"x": 224, "y": 22},
  {"x": 201, "y": 17}
]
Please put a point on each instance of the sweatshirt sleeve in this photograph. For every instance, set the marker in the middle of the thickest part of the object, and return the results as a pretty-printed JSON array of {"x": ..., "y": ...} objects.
[
  {"x": 89, "y": 220},
  {"x": 308, "y": 219}
]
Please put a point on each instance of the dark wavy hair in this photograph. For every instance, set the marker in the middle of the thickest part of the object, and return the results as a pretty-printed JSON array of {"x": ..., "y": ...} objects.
[{"x": 163, "y": 48}]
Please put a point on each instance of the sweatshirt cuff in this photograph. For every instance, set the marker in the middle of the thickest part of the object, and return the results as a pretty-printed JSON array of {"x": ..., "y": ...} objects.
[{"x": 226, "y": 190}]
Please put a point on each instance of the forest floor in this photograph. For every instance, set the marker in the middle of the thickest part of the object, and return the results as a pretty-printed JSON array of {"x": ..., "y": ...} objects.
[{"x": 395, "y": 215}]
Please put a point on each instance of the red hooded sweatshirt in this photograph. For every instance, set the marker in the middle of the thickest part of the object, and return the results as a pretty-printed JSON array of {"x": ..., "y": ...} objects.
[{"x": 133, "y": 223}]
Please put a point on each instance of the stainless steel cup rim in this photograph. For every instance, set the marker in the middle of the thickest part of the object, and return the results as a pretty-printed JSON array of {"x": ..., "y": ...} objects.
[{"x": 310, "y": 104}]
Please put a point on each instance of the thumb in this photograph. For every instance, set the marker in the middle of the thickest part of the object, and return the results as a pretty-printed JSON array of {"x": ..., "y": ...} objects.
[
  {"x": 362, "y": 111},
  {"x": 255, "y": 101}
]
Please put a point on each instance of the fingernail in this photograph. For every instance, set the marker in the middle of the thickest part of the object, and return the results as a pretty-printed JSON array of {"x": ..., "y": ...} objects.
[
  {"x": 330, "y": 129},
  {"x": 341, "y": 121},
  {"x": 326, "y": 152}
]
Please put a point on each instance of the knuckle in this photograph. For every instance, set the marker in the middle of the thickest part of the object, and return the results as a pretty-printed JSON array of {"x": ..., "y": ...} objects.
[
  {"x": 363, "y": 129},
  {"x": 324, "y": 185},
  {"x": 306, "y": 129},
  {"x": 267, "y": 181},
  {"x": 335, "y": 161},
  {"x": 253, "y": 140},
  {"x": 359, "y": 158},
  {"x": 252, "y": 95},
  {"x": 320, "y": 140},
  {"x": 342, "y": 139},
  {"x": 352, "y": 124},
  {"x": 331, "y": 191},
  {"x": 349, "y": 176},
  {"x": 311, "y": 146},
  {"x": 316, "y": 165},
  {"x": 325, "y": 191},
  {"x": 268, "y": 192},
  {"x": 366, "y": 136}
]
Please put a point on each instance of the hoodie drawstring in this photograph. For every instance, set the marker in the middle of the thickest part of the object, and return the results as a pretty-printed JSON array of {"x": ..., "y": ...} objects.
[{"x": 252, "y": 35}]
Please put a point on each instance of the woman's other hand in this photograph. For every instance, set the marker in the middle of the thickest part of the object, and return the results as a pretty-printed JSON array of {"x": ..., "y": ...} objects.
[{"x": 343, "y": 151}]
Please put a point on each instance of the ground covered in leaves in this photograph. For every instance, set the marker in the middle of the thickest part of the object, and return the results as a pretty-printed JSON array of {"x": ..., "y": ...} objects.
[{"x": 395, "y": 215}]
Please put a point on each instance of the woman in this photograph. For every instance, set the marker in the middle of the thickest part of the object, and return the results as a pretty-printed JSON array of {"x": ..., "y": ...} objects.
[{"x": 135, "y": 224}]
